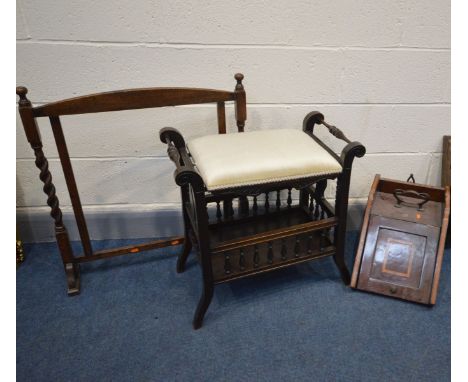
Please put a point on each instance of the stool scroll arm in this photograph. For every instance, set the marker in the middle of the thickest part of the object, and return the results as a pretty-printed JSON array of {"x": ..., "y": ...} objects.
[
  {"x": 310, "y": 120},
  {"x": 318, "y": 118},
  {"x": 349, "y": 152},
  {"x": 194, "y": 213},
  {"x": 185, "y": 172}
]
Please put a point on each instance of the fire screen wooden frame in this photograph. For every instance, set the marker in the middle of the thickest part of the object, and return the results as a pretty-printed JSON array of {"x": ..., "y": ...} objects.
[
  {"x": 232, "y": 245},
  {"x": 97, "y": 103}
]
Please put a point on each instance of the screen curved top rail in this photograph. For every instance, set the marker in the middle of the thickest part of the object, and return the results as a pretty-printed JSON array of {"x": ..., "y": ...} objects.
[{"x": 132, "y": 99}]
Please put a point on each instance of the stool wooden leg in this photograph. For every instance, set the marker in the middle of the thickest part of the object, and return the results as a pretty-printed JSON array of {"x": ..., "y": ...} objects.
[
  {"x": 203, "y": 304},
  {"x": 228, "y": 210},
  {"x": 340, "y": 263},
  {"x": 320, "y": 188},
  {"x": 304, "y": 199},
  {"x": 187, "y": 247},
  {"x": 182, "y": 258},
  {"x": 243, "y": 206},
  {"x": 341, "y": 211},
  {"x": 204, "y": 251},
  {"x": 207, "y": 271},
  {"x": 351, "y": 151}
]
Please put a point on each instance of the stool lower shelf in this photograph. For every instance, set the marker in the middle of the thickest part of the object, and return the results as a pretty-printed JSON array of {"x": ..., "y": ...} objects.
[
  {"x": 229, "y": 268},
  {"x": 254, "y": 244}
]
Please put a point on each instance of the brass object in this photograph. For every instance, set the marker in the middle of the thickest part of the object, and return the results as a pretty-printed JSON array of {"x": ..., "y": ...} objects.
[{"x": 19, "y": 251}]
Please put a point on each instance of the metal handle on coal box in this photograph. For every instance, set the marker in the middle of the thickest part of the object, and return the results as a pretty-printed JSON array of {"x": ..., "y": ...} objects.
[{"x": 411, "y": 193}]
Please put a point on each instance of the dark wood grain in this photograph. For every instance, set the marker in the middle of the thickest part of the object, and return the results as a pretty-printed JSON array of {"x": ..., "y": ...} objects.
[
  {"x": 364, "y": 227},
  {"x": 399, "y": 259},
  {"x": 115, "y": 101},
  {"x": 272, "y": 234},
  {"x": 132, "y": 99},
  {"x": 241, "y": 102},
  {"x": 440, "y": 249},
  {"x": 384, "y": 204},
  {"x": 108, "y": 253},
  {"x": 446, "y": 161},
  {"x": 335, "y": 131},
  {"x": 71, "y": 185},
  {"x": 401, "y": 246},
  {"x": 33, "y": 135},
  {"x": 221, "y": 118},
  {"x": 436, "y": 194},
  {"x": 447, "y": 178},
  {"x": 106, "y": 102},
  {"x": 264, "y": 268},
  {"x": 266, "y": 235}
]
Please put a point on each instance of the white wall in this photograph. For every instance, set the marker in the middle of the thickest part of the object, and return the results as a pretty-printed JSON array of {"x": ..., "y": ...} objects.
[{"x": 380, "y": 70}]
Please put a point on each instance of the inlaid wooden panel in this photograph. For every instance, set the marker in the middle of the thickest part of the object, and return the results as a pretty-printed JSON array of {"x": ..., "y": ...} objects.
[
  {"x": 399, "y": 259},
  {"x": 401, "y": 246}
]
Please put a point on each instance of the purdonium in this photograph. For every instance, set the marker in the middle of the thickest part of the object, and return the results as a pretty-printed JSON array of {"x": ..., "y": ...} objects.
[{"x": 401, "y": 246}]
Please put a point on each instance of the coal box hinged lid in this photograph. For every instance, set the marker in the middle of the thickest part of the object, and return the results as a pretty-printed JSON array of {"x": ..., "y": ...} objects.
[{"x": 402, "y": 240}]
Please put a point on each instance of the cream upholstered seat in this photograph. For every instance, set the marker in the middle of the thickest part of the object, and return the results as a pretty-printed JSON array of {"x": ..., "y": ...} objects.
[{"x": 258, "y": 157}]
